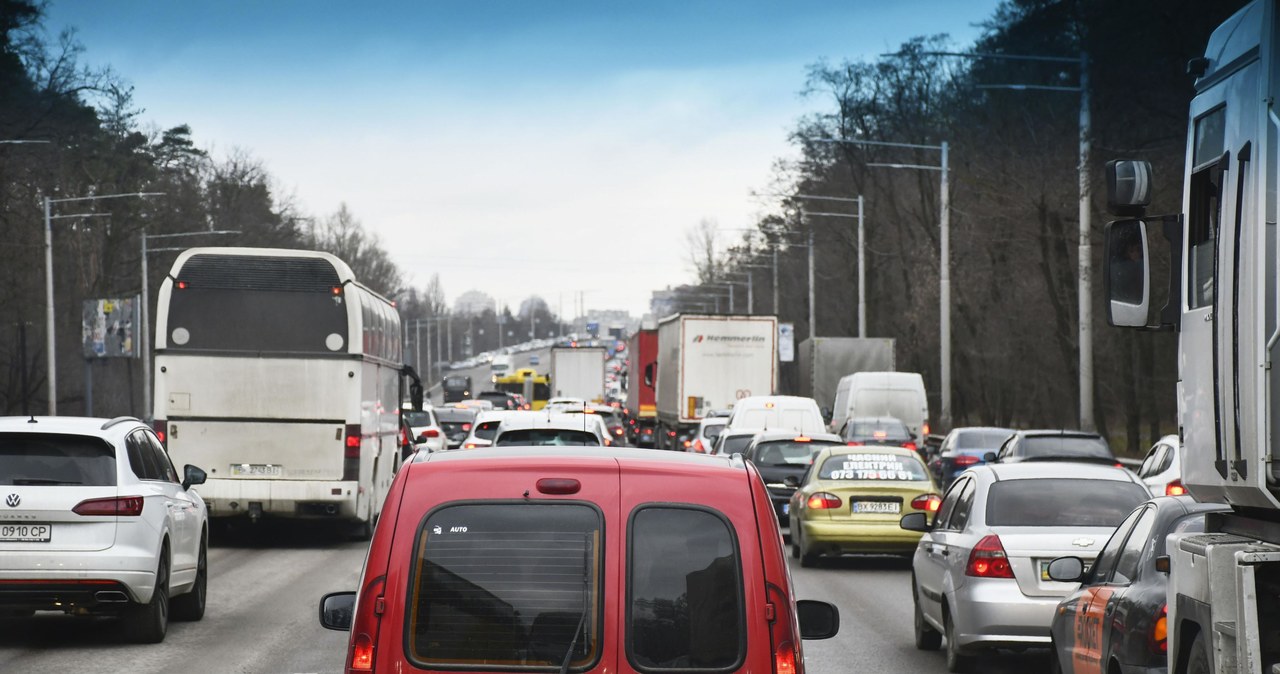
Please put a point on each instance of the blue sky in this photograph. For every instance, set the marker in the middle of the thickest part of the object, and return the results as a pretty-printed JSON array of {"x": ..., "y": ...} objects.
[{"x": 511, "y": 147}]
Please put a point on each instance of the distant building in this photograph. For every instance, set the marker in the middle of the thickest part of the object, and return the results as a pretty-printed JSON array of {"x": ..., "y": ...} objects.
[{"x": 474, "y": 302}]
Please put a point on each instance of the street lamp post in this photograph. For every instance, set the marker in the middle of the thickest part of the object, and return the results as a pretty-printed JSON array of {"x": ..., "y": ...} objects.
[
  {"x": 862, "y": 274},
  {"x": 48, "y": 275},
  {"x": 145, "y": 313},
  {"x": 944, "y": 240}
]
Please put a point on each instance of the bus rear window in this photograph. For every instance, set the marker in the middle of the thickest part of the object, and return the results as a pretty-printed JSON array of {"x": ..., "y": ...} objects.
[
  {"x": 513, "y": 586},
  {"x": 269, "y": 321},
  {"x": 55, "y": 459}
]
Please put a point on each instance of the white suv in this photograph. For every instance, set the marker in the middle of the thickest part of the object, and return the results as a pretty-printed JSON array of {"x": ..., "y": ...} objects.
[{"x": 95, "y": 520}]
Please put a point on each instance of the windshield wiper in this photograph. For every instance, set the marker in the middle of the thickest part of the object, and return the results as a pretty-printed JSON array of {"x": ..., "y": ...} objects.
[{"x": 586, "y": 588}]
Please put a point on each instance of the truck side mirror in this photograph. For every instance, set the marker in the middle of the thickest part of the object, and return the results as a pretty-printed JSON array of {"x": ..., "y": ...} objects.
[
  {"x": 1127, "y": 283},
  {"x": 1128, "y": 187}
]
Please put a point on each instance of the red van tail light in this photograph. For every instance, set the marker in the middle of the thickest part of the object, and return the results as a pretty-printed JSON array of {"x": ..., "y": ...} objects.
[
  {"x": 784, "y": 660},
  {"x": 927, "y": 502},
  {"x": 161, "y": 427},
  {"x": 558, "y": 485},
  {"x": 824, "y": 500},
  {"x": 1175, "y": 488},
  {"x": 988, "y": 559},
  {"x": 128, "y": 506},
  {"x": 362, "y": 654}
]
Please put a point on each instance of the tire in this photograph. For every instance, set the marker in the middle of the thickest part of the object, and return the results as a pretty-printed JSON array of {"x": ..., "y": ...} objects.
[
  {"x": 957, "y": 661},
  {"x": 927, "y": 638},
  {"x": 1198, "y": 657},
  {"x": 148, "y": 623},
  {"x": 190, "y": 606},
  {"x": 808, "y": 559},
  {"x": 795, "y": 548},
  {"x": 1055, "y": 662}
]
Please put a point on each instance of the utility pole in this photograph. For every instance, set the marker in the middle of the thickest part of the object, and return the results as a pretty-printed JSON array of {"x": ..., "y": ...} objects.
[
  {"x": 862, "y": 274},
  {"x": 813, "y": 316},
  {"x": 775, "y": 279}
]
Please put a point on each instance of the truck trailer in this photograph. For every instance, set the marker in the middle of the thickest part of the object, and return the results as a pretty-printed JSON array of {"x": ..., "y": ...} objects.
[
  {"x": 578, "y": 372},
  {"x": 825, "y": 360},
  {"x": 707, "y": 363}
]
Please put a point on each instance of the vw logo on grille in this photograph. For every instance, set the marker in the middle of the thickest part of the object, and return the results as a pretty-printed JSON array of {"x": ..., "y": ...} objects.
[{"x": 13, "y": 500}]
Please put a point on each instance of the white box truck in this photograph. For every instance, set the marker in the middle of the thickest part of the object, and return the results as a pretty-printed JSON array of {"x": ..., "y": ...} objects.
[
  {"x": 578, "y": 372},
  {"x": 708, "y": 363},
  {"x": 1224, "y": 585}
]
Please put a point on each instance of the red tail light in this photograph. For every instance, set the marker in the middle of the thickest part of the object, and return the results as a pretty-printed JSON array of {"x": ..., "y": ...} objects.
[
  {"x": 351, "y": 451},
  {"x": 1175, "y": 488},
  {"x": 671, "y": 434},
  {"x": 466, "y": 427},
  {"x": 161, "y": 427},
  {"x": 617, "y": 431},
  {"x": 352, "y": 443},
  {"x": 988, "y": 560},
  {"x": 927, "y": 502},
  {"x": 966, "y": 460},
  {"x": 1160, "y": 631},
  {"x": 361, "y": 654},
  {"x": 648, "y": 431},
  {"x": 909, "y": 445},
  {"x": 698, "y": 447},
  {"x": 784, "y": 660},
  {"x": 687, "y": 444},
  {"x": 824, "y": 501},
  {"x": 127, "y": 506},
  {"x": 924, "y": 429},
  {"x": 182, "y": 285},
  {"x": 855, "y": 443}
]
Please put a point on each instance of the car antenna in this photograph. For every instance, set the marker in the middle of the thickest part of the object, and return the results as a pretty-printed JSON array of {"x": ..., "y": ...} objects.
[{"x": 32, "y": 420}]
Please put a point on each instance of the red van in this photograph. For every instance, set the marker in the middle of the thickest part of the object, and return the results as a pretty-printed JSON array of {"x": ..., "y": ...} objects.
[{"x": 557, "y": 559}]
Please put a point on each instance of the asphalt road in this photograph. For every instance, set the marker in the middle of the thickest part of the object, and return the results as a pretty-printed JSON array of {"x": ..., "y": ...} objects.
[
  {"x": 261, "y": 617},
  {"x": 480, "y": 374},
  {"x": 264, "y": 589}
]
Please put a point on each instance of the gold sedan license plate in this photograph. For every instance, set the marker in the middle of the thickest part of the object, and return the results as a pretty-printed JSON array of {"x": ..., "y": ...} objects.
[
  {"x": 25, "y": 533},
  {"x": 885, "y": 507},
  {"x": 256, "y": 470}
]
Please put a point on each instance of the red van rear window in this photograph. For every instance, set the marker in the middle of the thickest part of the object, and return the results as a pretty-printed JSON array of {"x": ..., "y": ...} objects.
[{"x": 515, "y": 585}]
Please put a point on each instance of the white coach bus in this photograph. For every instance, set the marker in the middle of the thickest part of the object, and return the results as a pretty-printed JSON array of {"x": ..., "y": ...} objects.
[{"x": 280, "y": 374}]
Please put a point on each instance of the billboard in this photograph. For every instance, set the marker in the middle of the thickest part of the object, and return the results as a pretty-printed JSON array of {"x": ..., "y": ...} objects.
[{"x": 109, "y": 328}]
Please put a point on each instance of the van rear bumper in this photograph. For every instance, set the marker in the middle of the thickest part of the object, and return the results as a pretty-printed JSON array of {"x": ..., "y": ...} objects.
[{"x": 282, "y": 498}]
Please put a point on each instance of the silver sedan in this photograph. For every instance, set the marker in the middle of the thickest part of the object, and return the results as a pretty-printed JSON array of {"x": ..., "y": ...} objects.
[{"x": 979, "y": 574}]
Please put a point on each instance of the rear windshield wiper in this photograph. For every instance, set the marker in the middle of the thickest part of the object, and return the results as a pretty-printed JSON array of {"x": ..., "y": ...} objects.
[
  {"x": 586, "y": 591},
  {"x": 41, "y": 480}
]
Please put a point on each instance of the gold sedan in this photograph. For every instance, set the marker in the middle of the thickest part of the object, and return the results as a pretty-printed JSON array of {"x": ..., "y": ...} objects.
[{"x": 851, "y": 499}]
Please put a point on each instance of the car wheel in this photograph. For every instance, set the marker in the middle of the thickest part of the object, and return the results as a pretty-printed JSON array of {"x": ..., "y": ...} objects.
[
  {"x": 190, "y": 606},
  {"x": 957, "y": 662},
  {"x": 147, "y": 623},
  {"x": 1055, "y": 663},
  {"x": 1198, "y": 657},
  {"x": 807, "y": 559},
  {"x": 795, "y": 546},
  {"x": 927, "y": 638}
]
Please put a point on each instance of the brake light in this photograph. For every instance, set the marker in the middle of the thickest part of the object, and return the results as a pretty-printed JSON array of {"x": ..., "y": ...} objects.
[
  {"x": 351, "y": 451},
  {"x": 988, "y": 559},
  {"x": 648, "y": 431},
  {"x": 128, "y": 506},
  {"x": 404, "y": 436},
  {"x": 1175, "y": 488},
  {"x": 824, "y": 500},
  {"x": 687, "y": 444},
  {"x": 558, "y": 485},
  {"x": 362, "y": 653},
  {"x": 924, "y": 428},
  {"x": 927, "y": 502},
  {"x": 784, "y": 661},
  {"x": 698, "y": 447},
  {"x": 855, "y": 443},
  {"x": 1160, "y": 631},
  {"x": 431, "y": 433},
  {"x": 466, "y": 427},
  {"x": 353, "y": 441},
  {"x": 671, "y": 434},
  {"x": 879, "y": 435},
  {"x": 909, "y": 445},
  {"x": 161, "y": 427},
  {"x": 617, "y": 431},
  {"x": 182, "y": 285},
  {"x": 966, "y": 460}
]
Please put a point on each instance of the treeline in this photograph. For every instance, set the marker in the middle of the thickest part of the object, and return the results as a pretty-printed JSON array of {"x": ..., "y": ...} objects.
[
  {"x": 1014, "y": 206},
  {"x": 69, "y": 130}
]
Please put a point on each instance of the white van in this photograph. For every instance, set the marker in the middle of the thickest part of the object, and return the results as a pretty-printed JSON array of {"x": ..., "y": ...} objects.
[
  {"x": 776, "y": 412},
  {"x": 882, "y": 394}
]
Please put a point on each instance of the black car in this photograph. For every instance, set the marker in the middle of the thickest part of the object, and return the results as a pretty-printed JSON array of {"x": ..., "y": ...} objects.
[
  {"x": 455, "y": 423},
  {"x": 1118, "y": 619},
  {"x": 783, "y": 457},
  {"x": 1054, "y": 446},
  {"x": 501, "y": 399}
]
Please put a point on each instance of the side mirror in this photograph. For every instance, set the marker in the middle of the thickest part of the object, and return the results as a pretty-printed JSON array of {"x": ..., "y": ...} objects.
[
  {"x": 1125, "y": 276},
  {"x": 337, "y": 610},
  {"x": 915, "y": 522},
  {"x": 1128, "y": 187},
  {"x": 1066, "y": 569},
  {"x": 1162, "y": 563},
  {"x": 415, "y": 396},
  {"x": 990, "y": 457},
  {"x": 791, "y": 481},
  {"x": 191, "y": 476},
  {"x": 818, "y": 619}
]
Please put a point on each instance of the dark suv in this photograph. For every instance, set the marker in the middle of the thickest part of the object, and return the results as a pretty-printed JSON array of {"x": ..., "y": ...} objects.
[{"x": 501, "y": 399}]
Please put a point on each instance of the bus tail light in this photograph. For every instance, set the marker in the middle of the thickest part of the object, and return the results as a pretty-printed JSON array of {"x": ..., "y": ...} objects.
[
  {"x": 161, "y": 427},
  {"x": 988, "y": 559},
  {"x": 351, "y": 453}
]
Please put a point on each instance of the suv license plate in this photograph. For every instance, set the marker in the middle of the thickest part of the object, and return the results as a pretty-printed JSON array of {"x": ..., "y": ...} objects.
[
  {"x": 256, "y": 470},
  {"x": 25, "y": 533},
  {"x": 887, "y": 507}
]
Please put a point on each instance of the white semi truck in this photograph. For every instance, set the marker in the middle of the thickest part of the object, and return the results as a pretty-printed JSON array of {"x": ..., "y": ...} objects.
[
  {"x": 1224, "y": 301},
  {"x": 578, "y": 372}
]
